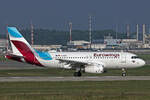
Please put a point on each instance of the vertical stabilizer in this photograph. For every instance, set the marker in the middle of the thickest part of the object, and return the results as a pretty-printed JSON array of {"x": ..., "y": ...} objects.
[{"x": 21, "y": 47}]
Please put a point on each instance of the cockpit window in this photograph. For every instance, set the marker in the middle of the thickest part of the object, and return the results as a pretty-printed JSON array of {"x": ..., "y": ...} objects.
[{"x": 134, "y": 57}]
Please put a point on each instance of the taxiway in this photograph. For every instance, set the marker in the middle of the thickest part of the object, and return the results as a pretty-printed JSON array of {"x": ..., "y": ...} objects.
[{"x": 87, "y": 78}]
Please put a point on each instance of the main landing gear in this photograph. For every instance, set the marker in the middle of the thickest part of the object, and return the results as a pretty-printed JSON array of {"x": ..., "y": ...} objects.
[{"x": 77, "y": 74}]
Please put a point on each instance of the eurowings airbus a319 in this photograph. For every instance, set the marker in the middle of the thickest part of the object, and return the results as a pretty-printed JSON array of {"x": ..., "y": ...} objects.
[{"x": 89, "y": 62}]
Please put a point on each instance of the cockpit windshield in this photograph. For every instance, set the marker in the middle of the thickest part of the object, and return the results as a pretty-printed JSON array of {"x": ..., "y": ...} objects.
[{"x": 134, "y": 57}]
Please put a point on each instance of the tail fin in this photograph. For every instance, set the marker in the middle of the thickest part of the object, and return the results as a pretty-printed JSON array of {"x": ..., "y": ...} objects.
[{"x": 21, "y": 47}]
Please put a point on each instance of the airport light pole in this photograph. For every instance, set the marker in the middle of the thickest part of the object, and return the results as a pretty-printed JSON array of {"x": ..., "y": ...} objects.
[
  {"x": 90, "y": 30},
  {"x": 32, "y": 34},
  {"x": 70, "y": 29}
]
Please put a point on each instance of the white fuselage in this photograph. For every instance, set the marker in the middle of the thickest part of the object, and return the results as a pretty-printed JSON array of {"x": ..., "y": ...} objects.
[{"x": 108, "y": 59}]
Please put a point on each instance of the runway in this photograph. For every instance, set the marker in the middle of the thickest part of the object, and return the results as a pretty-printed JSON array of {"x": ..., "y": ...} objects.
[
  {"x": 88, "y": 78},
  {"x": 16, "y": 65}
]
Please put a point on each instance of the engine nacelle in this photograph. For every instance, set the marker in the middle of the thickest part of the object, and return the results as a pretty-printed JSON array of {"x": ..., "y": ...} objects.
[{"x": 96, "y": 68}]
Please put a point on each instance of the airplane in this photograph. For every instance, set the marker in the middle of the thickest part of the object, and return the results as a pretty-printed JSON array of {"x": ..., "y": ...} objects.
[{"x": 89, "y": 62}]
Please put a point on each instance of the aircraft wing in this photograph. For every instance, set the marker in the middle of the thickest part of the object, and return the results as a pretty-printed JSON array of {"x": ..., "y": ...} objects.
[{"x": 74, "y": 63}]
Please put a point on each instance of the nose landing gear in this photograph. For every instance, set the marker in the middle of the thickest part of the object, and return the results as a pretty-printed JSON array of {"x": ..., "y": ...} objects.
[{"x": 124, "y": 73}]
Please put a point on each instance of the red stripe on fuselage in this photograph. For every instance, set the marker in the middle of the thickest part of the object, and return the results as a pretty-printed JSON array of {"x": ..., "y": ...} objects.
[{"x": 26, "y": 52}]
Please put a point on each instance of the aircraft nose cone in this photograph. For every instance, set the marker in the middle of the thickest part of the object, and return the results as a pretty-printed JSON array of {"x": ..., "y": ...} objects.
[{"x": 142, "y": 62}]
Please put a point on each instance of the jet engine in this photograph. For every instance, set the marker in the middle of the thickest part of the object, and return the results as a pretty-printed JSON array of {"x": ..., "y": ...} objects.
[{"x": 96, "y": 68}]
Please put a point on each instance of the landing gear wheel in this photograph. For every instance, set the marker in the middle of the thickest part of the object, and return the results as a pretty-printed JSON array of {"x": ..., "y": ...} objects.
[
  {"x": 105, "y": 71},
  {"x": 123, "y": 74},
  {"x": 77, "y": 74}
]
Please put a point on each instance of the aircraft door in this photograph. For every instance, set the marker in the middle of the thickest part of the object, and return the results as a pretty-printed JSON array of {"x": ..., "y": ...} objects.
[
  {"x": 89, "y": 58},
  {"x": 123, "y": 60}
]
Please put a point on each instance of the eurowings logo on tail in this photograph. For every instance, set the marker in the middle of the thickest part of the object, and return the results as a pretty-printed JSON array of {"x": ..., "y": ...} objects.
[{"x": 22, "y": 48}]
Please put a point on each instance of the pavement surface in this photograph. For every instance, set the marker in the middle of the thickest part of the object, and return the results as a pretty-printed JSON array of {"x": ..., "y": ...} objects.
[
  {"x": 87, "y": 78},
  {"x": 16, "y": 65}
]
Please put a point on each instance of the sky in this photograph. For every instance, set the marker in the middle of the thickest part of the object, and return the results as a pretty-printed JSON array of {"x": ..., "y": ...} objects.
[{"x": 56, "y": 14}]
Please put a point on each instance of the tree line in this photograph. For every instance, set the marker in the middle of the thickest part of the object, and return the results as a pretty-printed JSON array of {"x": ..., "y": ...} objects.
[{"x": 47, "y": 37}]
